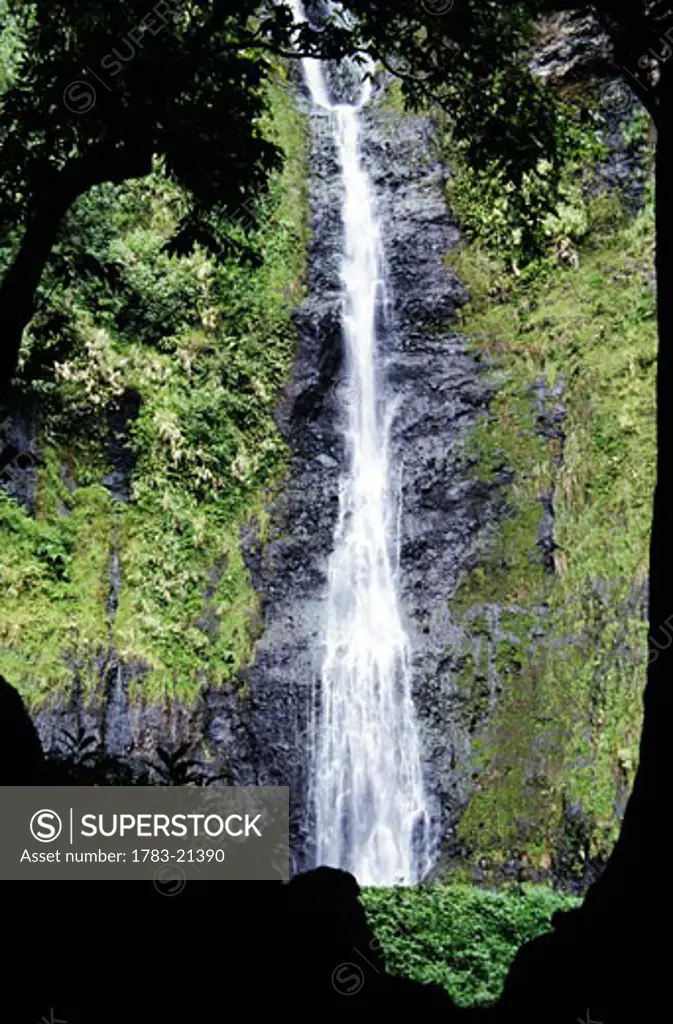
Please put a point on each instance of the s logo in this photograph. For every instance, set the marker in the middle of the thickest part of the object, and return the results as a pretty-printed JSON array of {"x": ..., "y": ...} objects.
[{"x": 45, "y": 826}]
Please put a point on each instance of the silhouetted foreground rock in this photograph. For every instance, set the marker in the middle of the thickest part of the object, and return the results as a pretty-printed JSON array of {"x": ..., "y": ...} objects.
[
  {"x": 128, "y": 953},
  {"x": 21, "y": 758}
]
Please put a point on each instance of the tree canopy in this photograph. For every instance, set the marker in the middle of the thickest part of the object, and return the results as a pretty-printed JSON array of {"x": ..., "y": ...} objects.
[
  {"x": 96, "y": 91},
  {"x": 93, "y": 92}
]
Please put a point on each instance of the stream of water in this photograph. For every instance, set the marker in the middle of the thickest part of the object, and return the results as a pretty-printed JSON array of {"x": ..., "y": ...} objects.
[{"x": 368, "y": 798}]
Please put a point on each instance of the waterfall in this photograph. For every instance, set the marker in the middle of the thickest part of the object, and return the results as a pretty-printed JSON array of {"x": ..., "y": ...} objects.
[{"x": 367, "y": 793}]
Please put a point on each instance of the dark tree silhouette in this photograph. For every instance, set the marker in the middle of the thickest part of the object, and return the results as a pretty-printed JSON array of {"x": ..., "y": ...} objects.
[
  {"x": 191, "y": 93},
  {"x": 102, "y": 89}
]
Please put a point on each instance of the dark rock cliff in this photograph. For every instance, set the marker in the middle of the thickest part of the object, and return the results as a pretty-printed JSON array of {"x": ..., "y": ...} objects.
[{"x": 433, "y": 389}]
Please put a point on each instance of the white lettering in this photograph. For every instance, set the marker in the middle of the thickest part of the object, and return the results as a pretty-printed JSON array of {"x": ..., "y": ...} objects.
[
  {"x": 183, "y": 827},
  {"x": 90, "y": 825},
  {"x": 195, "y": 819},
  {"x": 123, "y": 826},
  {"x": 229, "y": 830},
  {"x": 145, "y": 822},
  {"x": 218, "y": 819},
  {"x": 250, "y": 825},
  {"x": 163, "y": 827}
]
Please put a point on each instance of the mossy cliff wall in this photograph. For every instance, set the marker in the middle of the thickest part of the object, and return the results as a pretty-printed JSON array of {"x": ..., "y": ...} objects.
[
  {"x": 142, "y": 439},
  {"x": 554, "y": 608},
  {"x": 171, "y": 470},
  {"x": 553, "y": 653}
]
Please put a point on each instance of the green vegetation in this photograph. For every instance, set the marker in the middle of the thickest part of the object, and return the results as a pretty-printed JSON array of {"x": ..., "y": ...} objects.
[
  {"x": 521, "y": 211},
  {"x": 458, "y": 936},
  {"x": 131, "y": 317},
  {"x": 201, "y": 346},
  {"x": 565, "y": 635}
]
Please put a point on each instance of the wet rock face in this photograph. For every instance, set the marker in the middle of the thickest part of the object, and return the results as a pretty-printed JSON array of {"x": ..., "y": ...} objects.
[
  {"x": 106, "y": 722},
  {"x": 571, "y": 46},
  {"x": 575, "y": 56},
  {"x": 19, "y": 454},
  {"x": 290, "y": 570},
  {"x": 121, "y": 417},
  {"x": 551, "y": 415},
  {"x": 437, "y": 390},
  {"x": 433, "y": 390}
]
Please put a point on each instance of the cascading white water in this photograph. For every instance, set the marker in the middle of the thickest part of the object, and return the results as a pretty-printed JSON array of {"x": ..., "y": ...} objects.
[{"x": 368, "y": 798}]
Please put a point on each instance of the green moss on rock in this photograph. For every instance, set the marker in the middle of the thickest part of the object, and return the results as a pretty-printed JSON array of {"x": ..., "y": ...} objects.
[
  {"x": 204, "y": 346},
  {"x": 569, "y": 667}
]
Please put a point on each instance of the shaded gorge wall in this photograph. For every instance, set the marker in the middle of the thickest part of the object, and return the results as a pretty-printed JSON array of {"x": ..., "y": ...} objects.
[
  {"x": 147, "y": 399},
  {"x": 164, "y": 553}
]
